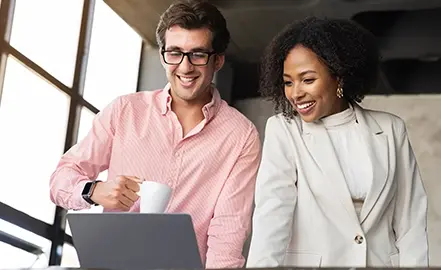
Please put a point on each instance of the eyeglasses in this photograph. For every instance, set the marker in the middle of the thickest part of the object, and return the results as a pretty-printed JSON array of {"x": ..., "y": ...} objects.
[{"x": 196, "y": 58}]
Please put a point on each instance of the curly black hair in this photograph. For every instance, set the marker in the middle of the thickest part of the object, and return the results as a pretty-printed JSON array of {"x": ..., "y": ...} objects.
[{"x": 348, "y": 50}]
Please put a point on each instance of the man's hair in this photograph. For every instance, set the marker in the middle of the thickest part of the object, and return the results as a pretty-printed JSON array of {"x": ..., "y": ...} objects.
[
  {"x": 348, "y": 50},
  {"x": 195, "y": 14}
]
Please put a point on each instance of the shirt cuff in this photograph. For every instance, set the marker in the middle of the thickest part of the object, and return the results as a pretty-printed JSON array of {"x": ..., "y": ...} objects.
[{"x": 78, "y": 203}]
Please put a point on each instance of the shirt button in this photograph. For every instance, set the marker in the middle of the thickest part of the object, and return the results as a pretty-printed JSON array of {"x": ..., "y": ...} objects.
[{"x": 358, "y": 239}]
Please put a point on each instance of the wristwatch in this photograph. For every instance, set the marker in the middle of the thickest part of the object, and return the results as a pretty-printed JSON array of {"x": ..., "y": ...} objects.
[{"x": 88, "y": 191}]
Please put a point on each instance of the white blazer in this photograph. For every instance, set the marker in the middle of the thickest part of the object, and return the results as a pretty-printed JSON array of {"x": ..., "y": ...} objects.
[{"x": 304, "y": 215}]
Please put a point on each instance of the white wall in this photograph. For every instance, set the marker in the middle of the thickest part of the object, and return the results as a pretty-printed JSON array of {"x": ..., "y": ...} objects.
[
  {"x": 152, "y": 74},
  {"x": 422, "y": 114}
]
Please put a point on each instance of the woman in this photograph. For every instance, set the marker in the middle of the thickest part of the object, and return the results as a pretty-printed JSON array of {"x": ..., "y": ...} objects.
[{"x": 338, "y": 185}]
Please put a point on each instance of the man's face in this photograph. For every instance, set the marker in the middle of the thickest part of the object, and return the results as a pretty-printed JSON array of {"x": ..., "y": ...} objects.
[{"x": 190, "y": 82}]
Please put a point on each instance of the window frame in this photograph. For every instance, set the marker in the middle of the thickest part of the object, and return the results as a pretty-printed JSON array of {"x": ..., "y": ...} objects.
[{"x": 54, "y": 232}]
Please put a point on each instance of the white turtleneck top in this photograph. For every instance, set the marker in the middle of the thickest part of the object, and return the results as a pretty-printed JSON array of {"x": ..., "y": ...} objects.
[{"x": 345, "y": 134}]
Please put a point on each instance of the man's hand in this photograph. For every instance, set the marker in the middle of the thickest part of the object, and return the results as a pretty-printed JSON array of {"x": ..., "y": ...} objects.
[{"x": 119, "y": 194}]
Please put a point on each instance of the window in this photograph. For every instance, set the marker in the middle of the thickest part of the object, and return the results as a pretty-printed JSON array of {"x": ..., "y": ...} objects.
[
  {"x": 34, "y": 113},
  {"x": 33, "y": 117},
  {"x": 17, "y": 258},
  {"x": 47, "y": 31},
  {"x": 70, "y": 257},
  {"x": 115, "y": 51},
  {"x": 12, "y": 257}
]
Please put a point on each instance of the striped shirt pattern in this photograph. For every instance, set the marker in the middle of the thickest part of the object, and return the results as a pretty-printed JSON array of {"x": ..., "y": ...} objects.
[{"x": 211, "y": 170}]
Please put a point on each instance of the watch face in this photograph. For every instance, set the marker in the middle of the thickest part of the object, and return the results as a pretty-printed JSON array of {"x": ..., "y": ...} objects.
[
  {"x": 86, "y": 189},
  {"x": 86, "y": 192}
]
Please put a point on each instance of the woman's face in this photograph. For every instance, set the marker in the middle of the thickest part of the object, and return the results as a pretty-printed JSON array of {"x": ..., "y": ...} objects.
[{"x": 309, "y": 86}]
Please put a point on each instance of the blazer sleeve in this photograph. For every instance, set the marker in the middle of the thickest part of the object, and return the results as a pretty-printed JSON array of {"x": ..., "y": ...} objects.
[
  {"x": 410, "y": 217},
  {"x": 275, "y": 199}
]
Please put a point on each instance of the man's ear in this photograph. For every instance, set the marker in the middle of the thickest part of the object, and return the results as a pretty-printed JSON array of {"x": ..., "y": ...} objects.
[
  {"x": 161, "y": 58},
  {"x": 219, "y": 61}
]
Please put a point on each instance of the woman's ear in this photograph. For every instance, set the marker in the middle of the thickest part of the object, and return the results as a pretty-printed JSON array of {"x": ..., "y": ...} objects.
[{"x": 340, "y": 82}]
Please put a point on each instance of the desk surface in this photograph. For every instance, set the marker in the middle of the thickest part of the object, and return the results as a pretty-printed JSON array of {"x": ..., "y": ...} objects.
[{"x": 277, "y": 268}]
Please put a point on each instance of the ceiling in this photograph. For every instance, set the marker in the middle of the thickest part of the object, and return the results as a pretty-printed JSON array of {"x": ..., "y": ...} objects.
[
  {"x": 253, "y": 23},
  {"x": 408, "y": 30}
]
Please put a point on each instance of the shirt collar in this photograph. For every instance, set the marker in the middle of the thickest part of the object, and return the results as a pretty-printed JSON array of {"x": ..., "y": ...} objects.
[{"x": 209, "y": 110}]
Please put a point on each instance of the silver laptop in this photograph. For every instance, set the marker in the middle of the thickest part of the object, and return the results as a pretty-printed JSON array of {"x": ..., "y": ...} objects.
[{"x": 134, "y": 241}]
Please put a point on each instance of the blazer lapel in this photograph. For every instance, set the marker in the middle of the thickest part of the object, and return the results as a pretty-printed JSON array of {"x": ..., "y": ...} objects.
[
  {"x": 378, "y": 151},
  {"x": 320, "y": 146}
]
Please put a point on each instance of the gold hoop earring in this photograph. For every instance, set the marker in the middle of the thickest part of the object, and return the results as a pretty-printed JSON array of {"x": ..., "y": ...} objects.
[{"x": 339, "y": 92}]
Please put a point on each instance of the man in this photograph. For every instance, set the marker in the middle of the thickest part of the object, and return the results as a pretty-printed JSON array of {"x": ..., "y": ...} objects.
[{"x": 184, "y": 136}]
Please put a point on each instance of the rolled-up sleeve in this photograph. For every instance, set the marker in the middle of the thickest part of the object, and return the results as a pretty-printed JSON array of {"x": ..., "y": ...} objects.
[{"x": 84, "y": 161}]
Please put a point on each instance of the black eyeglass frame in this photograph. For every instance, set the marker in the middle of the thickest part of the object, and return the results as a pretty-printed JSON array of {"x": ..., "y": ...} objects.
[{"x": 188, "y": 54}]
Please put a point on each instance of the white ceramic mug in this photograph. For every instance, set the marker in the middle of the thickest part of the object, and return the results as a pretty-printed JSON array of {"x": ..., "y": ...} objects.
[{"x": 154, "y": 197}]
